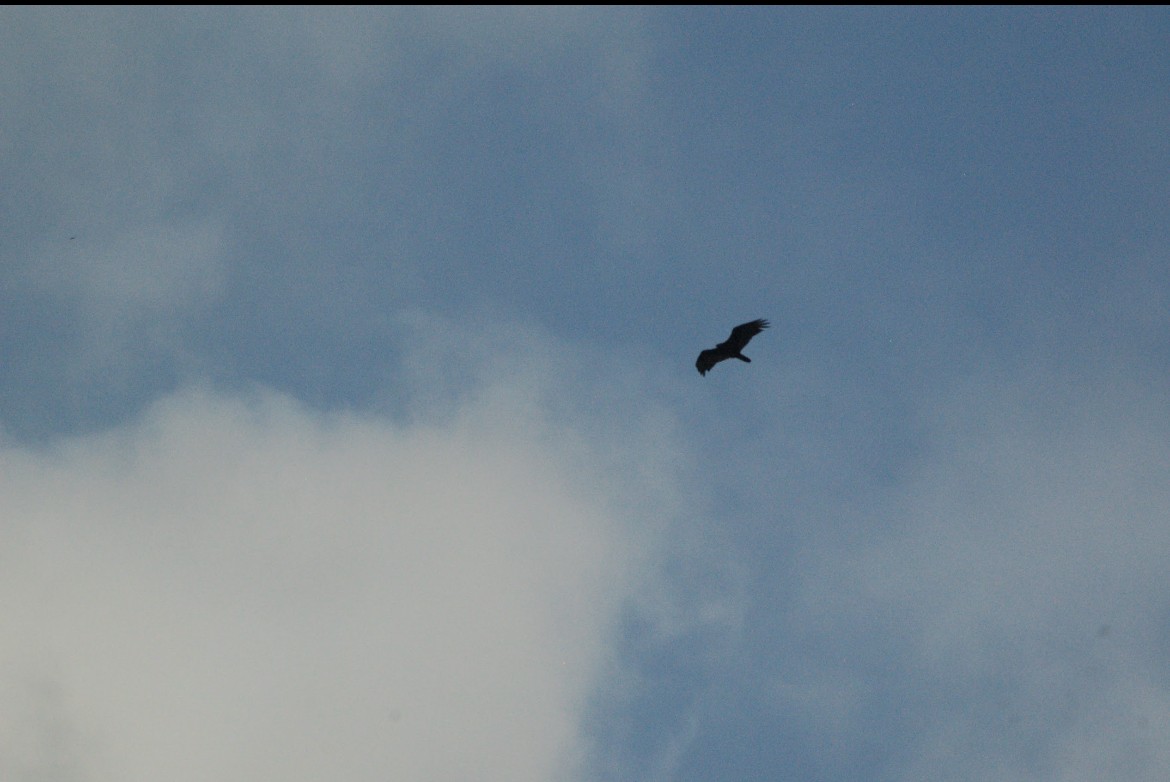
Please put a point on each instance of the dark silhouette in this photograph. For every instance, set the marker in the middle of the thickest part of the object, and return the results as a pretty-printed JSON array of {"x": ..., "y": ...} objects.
[{"x": 740, "y": 336}]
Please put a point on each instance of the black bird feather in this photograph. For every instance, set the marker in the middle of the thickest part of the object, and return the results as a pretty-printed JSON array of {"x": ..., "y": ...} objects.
[{"x": 732, "y": 348}]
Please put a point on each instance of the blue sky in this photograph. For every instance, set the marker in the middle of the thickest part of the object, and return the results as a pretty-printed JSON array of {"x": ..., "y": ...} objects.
[{"x": 350, "y": 424}]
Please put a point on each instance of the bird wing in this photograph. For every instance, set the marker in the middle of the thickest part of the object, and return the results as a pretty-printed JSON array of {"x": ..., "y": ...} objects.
[
  {"x": 743, "y": 333},
  {"x": 708, "y": 359}
]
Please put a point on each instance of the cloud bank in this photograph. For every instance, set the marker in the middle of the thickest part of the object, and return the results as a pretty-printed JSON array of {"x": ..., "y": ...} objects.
[{"x": 235, "y": 587}]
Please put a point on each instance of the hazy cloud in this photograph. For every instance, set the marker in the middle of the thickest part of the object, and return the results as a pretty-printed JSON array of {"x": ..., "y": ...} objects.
[
  {"x": 237, "y": 587},
  {"x": 1018, "y": 597},
  {"x": 350, "y": 424}
]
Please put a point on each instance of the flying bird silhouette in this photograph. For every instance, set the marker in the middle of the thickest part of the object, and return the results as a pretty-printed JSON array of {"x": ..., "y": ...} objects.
[{"x": 740, "y": 336}]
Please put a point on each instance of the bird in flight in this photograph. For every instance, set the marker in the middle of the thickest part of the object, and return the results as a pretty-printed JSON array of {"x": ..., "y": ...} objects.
[{"x": 740, "y": 336}]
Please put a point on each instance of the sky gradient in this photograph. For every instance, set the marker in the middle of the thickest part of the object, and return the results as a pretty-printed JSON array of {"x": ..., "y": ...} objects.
[{"x": 350, "y": 428}]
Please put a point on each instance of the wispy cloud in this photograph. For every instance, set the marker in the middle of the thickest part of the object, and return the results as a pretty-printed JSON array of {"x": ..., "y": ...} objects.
[{"x": 1015, "y": 605}]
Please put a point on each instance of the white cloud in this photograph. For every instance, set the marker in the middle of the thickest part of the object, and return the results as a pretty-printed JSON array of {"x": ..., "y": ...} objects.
[{"x": 239, "y": 588}]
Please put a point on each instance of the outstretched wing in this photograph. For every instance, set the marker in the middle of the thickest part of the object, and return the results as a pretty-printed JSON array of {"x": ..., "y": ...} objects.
[
  {"x": 742, "y": 334},
  {"x": 708, "y": 359}
]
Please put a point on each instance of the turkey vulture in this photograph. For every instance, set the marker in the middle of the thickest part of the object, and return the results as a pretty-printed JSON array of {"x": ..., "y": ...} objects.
[{"x": 740, "y": 336}]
